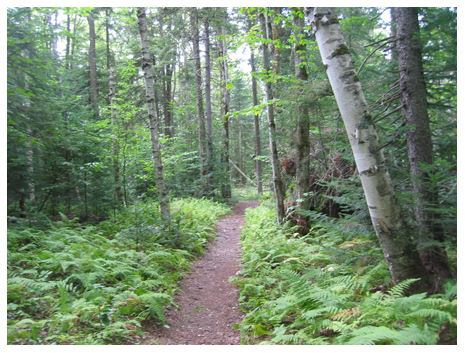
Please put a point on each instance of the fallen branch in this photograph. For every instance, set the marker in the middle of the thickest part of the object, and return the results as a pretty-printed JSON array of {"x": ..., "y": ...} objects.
[{"x": 242, "y": 173}]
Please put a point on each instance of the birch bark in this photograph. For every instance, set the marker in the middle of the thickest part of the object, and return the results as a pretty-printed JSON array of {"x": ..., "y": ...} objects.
[
  {"x": 153, "y": 120},
  {"x": 393, "y": 233}
]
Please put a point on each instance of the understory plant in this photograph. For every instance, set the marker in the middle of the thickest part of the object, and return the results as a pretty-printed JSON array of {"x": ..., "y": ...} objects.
[
  {"x": 331, "y": 287},
  {"x": 99, "y": 284}
]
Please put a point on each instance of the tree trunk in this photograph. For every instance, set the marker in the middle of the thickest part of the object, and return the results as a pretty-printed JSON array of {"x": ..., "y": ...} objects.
[
  {"x": 303, "y": 120},
  {"x": 73, "y": 43},
  {"x": 115, "y": 145},
  {"x": 258, "y": 144},
  {"x": 279, "y": 191},
  {"x": 199, "y": 99},
  {"x": 153, "y": 120},
  {"x": 68, "y": 40},
  {"x": 225, "y": 96},
  {"x": 393, "y": 33},
  {"x": 419, "y": 142},
  {"x": 208, "y": 103},
  {"x": 107, "y": 32},
  {"x": 93, "y": 66},
  {"x": 167, "y": 78},
  {"x": 393, "y": 233}
]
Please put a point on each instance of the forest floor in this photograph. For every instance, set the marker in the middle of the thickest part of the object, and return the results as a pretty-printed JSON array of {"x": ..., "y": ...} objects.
[{"x": 208, "y": 303}]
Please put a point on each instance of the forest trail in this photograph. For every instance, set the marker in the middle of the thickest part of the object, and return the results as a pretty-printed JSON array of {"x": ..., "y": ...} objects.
[{"x": 208, "y": 303}]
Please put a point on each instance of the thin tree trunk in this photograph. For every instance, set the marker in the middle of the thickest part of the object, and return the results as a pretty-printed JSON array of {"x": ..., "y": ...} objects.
[
  {"x": 393, "y": 233},
  {"x": 107, "y": 32},
  {"x": 393, "y": 33},
  {"x": 153, "y": 120},
  {"x": 73, "y": 43},
  {"x": 225, "y": 97},
  {"x": 208, "y": 103},
  {"x": 303, "y": 119},
  {"x": 93, "y": 66},
  {"x": 279, "y": 191},
  {"x": 30, "y": 163},
  {"x": 419, "y": 142},
  {"x": 68, "y": 40},
  {"x": 258, "y": 144},
  {"x": 199, "y": 99},
  {"x": 115, "y": 145},
  {"x": 242, "y": 173},
  {"x": 167, "y": 98}
]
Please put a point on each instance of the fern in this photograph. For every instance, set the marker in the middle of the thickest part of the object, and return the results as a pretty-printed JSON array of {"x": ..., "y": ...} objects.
[
  {"x": 370, "y": 335},
  {"x": 154, "y": 304},
  {"x": 89, "y": 285},
  {"x": 319, "y": 290},
  {"x": 433, "y": 314},
  {"x": 400, "y": 288}
]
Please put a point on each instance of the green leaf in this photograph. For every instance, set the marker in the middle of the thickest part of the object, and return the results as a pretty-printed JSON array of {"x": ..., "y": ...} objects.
[{"x": 105, "y": 319}]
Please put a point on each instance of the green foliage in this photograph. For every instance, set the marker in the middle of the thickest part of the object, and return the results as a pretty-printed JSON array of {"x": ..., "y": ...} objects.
[
  {"x": 330, "y": 288},
  {"x": 68, "y": 285}
]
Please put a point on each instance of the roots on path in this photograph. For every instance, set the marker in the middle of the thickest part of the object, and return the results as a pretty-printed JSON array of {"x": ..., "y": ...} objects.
[{"x": 209, "y": 304}]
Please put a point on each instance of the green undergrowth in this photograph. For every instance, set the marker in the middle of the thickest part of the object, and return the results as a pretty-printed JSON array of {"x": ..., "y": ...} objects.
[
  {"x": 248, "y": 193},
  {"x": 330, "y": 287},
  {"x": 97, "y": 285}
]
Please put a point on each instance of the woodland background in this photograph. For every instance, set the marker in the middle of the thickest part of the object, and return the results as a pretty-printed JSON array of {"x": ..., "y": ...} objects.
[{"x": 84, "y": 135}]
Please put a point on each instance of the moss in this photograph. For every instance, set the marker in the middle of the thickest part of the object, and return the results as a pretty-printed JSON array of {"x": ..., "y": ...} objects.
[
  {"x": 367, "y": 120},
  {"x": 343, "y": 49},
  {"x": 356, "y": 79},
  {"x": 334, "y": 20}
]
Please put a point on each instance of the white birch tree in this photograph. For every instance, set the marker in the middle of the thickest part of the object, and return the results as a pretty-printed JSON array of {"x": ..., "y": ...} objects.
[{"x": 393, "y": 233}]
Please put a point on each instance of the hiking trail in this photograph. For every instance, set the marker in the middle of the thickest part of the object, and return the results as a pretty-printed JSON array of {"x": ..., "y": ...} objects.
[{"x": 208, "y": 303}]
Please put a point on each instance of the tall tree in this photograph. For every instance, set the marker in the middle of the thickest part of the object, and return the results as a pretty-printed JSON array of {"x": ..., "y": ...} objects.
[
  {"x": 153, "y": 119},
  {"x": 167, "y": 68},
  {"x": 393, "y": 233},
  {"x": 224, "y": 112},
  {"x": 114, "y": 142},
  {"x": 303, "y": 119},
  {"x": 418, "y": 136},
  {"x": 199, "y": 99},
  {"x": 278, "y": 184},
  {"x": 208, "y": 100},
  {"x": 93, "y": 64},
  {"x": 258, "y": 144},
  {"x": 257, "y": 140}
]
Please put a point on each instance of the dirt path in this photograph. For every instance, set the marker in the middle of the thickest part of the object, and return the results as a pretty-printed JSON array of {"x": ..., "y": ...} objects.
[{"x": 208, "y": 303}]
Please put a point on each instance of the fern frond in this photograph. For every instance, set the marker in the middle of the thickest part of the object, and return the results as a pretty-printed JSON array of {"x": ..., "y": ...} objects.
[
  {"x": 310, "y": 314},
  {"x": 433, "y": 314},
  {"x": 282, "y": 337},
  {"x": 154, "y": 303},
  {"x": 398, "y": 290},
  {"x": 371, "y": 335},
  {"x": 412, "y": 334},
  {"x": 347, "y": 314},
  {"x": 409, "y": 302},
  {"x": 35, "y": 285}
]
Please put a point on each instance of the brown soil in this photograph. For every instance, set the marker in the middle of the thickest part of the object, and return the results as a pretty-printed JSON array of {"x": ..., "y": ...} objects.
[{"x": 208, "y": 303}]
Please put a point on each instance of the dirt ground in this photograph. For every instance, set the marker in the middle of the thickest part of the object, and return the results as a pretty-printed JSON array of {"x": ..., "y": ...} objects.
[{"x": 208, "y": 303}]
